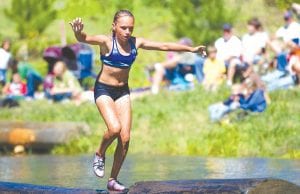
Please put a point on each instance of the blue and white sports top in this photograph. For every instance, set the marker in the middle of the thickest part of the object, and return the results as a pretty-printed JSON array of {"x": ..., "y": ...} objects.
[{"x": 116, "y": 59}]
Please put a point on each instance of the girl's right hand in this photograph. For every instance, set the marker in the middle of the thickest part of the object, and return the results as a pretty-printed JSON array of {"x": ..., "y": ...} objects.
[{"x": 77, "y": 25}]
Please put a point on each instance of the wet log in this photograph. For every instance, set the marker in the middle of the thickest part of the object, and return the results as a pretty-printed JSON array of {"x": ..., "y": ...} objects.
[
  {"x": 212, "y": 186},
  {"x": 39, "y": 136},
  {"x": 17, "y": 188},
  {"x": 224, "y": 186}
]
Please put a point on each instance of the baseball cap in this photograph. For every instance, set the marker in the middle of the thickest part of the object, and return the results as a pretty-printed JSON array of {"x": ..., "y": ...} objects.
[
  {"x": 227, "y": 27},
  {"x": 287, "y": 15},
  {"x": 186, "y": 41}
]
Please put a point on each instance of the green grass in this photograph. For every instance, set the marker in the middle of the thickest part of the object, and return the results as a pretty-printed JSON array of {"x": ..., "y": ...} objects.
[{"x": 178, "y": 123}]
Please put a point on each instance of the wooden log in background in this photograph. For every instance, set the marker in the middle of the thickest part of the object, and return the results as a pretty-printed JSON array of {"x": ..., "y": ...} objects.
[{"x": 38, "y": 135}]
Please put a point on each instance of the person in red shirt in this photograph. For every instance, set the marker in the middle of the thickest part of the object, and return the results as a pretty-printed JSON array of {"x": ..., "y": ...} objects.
[{"x": 16, "y": 88}]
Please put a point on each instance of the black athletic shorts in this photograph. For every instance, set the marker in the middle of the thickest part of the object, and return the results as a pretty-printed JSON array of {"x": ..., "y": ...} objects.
[{"x": 115, "y": 92}]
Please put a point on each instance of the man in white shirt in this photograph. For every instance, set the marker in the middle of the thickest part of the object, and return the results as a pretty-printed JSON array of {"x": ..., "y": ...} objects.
[
  {"x": 253, "y": 42},
  {"x": 229, "y": 48},
  {"x": 289, "y": 35},
  {"x": 290, "y": 32},
  {"x": 4, "y": 60}
]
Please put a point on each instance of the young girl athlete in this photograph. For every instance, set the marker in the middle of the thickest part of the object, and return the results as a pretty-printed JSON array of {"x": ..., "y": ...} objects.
[{"x": 118, "y": 52}]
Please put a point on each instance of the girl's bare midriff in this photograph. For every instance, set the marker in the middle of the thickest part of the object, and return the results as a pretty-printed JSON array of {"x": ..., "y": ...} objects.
[{"x": 114, "y": 76}]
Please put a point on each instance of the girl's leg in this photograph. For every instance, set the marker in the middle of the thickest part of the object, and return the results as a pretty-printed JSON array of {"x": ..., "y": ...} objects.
[
  {"x": 108, "y": 110},
  {"x": 124, "y": 112}
]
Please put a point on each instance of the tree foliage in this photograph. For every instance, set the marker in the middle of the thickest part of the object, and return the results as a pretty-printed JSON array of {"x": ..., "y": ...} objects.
[
  {"x": 200, "y": 20},
  {"x": 124, "y": 4},
  {"x": 282, "y": 4},
  {"x": 89, "y": 8},
  {"x": 31, "y": 16},
  {"x": 94, "y": 9}
]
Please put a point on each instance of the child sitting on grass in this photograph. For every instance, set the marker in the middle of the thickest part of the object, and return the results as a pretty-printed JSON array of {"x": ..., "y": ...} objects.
[
  {"x": 247, "y": 96},
  {"x": 16, "y": 89},
  {"x": 63, "y": 85}
]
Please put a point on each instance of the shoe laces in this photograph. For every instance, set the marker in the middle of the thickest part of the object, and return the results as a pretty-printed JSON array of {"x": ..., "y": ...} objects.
[{"x": 99, "y": 163}]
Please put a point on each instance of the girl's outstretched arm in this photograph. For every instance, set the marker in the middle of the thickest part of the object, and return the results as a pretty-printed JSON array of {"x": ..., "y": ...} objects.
[
  {"x": 77, "y": 27},
  {"x": 168, "y": 46}
]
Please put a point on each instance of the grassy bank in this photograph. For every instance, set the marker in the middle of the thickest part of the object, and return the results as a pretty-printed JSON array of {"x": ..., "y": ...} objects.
[{"x": 178, "y": 123}]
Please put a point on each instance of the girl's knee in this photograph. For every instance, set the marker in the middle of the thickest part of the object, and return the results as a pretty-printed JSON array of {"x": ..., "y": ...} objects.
[{"x": 115, "y": 129}]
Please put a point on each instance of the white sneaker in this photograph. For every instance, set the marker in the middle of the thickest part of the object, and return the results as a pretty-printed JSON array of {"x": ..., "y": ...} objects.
[
  {"x": 98, "y": 166},
  {"x": 114, "y": 185}
]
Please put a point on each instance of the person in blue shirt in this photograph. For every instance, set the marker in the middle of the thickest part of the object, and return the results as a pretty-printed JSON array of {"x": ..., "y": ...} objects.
[{"x": 118, "y": 53}]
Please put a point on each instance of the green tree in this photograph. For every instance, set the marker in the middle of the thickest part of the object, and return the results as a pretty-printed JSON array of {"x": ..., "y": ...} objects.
[
  {"x": 160, "y": 3},
  {"x": 282, "y": 4},
  {"x": 31, "y": 16},
  {"x": 93, "y": 9},
  {"x": 200, "y": 20},
  {"x": 124, "y": 4}
]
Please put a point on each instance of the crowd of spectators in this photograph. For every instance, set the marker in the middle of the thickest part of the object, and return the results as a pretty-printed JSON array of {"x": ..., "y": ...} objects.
[
  {"x": 251, "y": 65},
  {"x": 26, "y": 83}
]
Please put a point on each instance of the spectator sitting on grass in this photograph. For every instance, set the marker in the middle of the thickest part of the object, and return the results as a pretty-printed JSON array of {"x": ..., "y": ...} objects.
[
  {"x": 214, "y": 70},
  {"x": 253, "y": 42},
  {"x": 254, "y": 46},
  {"x": 286, "y": 39},
  {"x": 229, "y": 49},
  {"x": 16, "y": 89},
  {"x": 279, "y": 63},
  {"x": 167, "y": 69},
  {"x": 290, "y": 31},
  {"x": 246, "y": 96},
  {"x": 29, "y": 74},
  {"x": 291, "y": 78},
  {"x": 64, "y": 86}
]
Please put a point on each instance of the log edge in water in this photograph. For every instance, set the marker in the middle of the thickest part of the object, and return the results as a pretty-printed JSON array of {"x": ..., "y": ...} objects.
[{"x": 213, "y": 186}]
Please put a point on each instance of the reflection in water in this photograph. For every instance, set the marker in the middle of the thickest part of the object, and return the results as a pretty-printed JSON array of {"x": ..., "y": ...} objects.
[{"x": 76, "y": 171}]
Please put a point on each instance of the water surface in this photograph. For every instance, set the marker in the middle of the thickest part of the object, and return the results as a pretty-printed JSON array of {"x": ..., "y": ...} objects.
[{"x": 76, "y": 171}]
